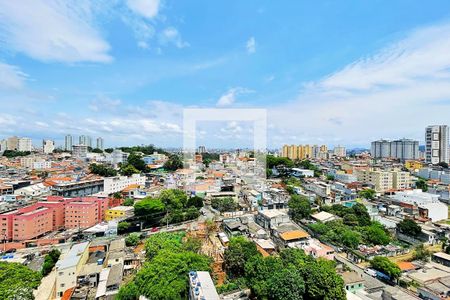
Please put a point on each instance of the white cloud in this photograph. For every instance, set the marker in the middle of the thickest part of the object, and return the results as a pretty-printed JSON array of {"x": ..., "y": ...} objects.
[
  {"x": 394, "y": 93},
  {"x": 52, "y": 30},
  {"x": 104, "y": 103},
  {"x": 229, "y": 98},
  {"x": 146, "y": 8},
  {"x": 11, "y": 77},
  {"x": 251, "y": 45},
  {"x": 170, "y": 35}
]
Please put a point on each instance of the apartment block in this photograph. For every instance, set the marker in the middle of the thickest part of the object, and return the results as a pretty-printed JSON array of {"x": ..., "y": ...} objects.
[
  {"x": 437, "y": 144},
  {"x": 381, "y": 180},
  {"x": 26, "y": 223},
  {"x": 81, "y": 214},
  {"x": 401, "y": 180}
]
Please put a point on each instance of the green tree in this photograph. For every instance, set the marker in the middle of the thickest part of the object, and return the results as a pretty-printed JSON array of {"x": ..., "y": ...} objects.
[
  {"x": 136, "y": 161},
  {"x": 195, "y": 201},
  {"x": 148, "y": 207},
  {"x": 422, "y": 184},
  {"x": 128, "y": 170},
  {"x": 123, "y": 226},
  {"x": 128, "y": 202},
  {"x": 409, "y": 227},
  {"x": 375, "y": 234},
  {"x": 367, "y": 194},
  {"x": 162, "y": 241},
  {"x": 128, "y": 291},
  {"x": 191, "y": 213},
  {"x": 173, "y": 163},
  {"x": 97, "y": 150},
  {"x": 17, "y": 281},
  {"x": 421, "y": 253},
  {"x": 239, "y": 251},
  {"x": 258, "y": 272},
  {"x": 132, "y": 239},
  {"x": 165, "y": 277},
  {"x": 49, "y": 261},
  {"x": 286, "y": 284},
  {"x": 384, "y": 265},
  {"x": 224, "y": 204},
  {"x": 322, "y": 282},
  {"x": 299, "y": 207},
  {"x": 361, "y": 212},
  {"x": 109, "y": 150},
  {"x": 173, "y": 199}
]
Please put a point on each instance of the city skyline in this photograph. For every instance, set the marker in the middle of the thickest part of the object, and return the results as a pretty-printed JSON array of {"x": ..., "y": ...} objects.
[{"x": 128, "y": 71}]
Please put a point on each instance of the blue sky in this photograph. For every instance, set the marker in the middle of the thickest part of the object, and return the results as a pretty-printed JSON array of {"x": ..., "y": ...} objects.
[{"x": 331, "y": 72}]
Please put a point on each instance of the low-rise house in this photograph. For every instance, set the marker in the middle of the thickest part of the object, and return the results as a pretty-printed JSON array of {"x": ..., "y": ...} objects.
[
  {"x": 324, "y": 217},
  {"x": 353, "y": 282},
  {"x": 441, "y": 258},
  {"x": 269, "y": 219},
  {"x": 289, "y": 235}
]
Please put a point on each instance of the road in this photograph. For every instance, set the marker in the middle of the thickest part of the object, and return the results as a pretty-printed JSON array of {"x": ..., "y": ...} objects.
[{"x": 372, "y": 284}]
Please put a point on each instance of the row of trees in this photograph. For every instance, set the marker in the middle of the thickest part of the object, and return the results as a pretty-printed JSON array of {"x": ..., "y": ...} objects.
[
  {"x": 291, "y": 275},
  {"x": 355, "y": 227},
  {"x": 224, "y": 204},
  {"x": 14, "y": 153},
  {"x": 102, "y": 170},
  {"x": 169, "y": 257},
  {"x": 172, "y": 206}
]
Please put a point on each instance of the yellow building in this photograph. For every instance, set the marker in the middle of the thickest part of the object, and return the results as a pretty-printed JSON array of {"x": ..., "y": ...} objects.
[
  {"x": 301, "y": 151},
  {"x": 121, "y": 212},
  {"x": 413, "y": 165}
]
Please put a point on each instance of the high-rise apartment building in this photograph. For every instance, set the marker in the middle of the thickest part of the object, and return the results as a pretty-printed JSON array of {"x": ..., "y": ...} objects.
[
  {"x": 68, "y": 142},
  {"x": 304, "y": 151},
  {"x": 100, "y": 143},
  {"x": 12, "y": 143},
  {"x": 403, "y": 149},
  {"x": 24, "y": 144},
  {"x": 340, "y": 151},
  {"x": 85, "y": 140},
  {"x": 436, "y": 143},
  {"x": 48, "y": 146},
  {"x": 201, "y": 149}
]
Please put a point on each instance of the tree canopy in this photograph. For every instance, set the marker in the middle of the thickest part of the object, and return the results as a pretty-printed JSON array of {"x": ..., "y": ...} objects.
[
  {"x": 17, "y": 281},
  {"x": 299, "y": 207},
  {"x": 384, "y": 265},
  {"x": 224, "y": 204},
  {"x": 164, "y": 275},
  {"x": 239, "y": 251},
  {"x": 409, "y": 227},
  {"x": 173, "y": 163}
]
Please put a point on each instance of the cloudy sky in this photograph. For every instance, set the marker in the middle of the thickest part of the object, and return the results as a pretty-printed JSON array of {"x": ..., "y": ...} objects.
[{"x": 331, "y": 72}]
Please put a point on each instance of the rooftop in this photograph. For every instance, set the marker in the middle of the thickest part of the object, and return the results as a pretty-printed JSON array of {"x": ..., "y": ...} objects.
[{"x": 294, "y": 235}]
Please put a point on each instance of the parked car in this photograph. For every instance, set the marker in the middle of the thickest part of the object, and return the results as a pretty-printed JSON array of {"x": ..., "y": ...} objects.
[{"x": 371, "y": 272}]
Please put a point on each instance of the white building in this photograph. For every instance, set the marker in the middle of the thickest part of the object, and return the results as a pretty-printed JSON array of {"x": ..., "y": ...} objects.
[
  {"x": 119, "y": 157},
  {"x": 42, "y": 164},
  {"x": 48, "y": 146},
  {"x": 68, "y": 268},
  {"x": 340, "y": 151},
  {"x": 100, "y": 143},
  {"x": 68, "y": 142},
  {"x": 302, "y": 172},
  {"x": 79, "y": 151},
  {"x": 24, "y": 144},
  {"x": 436, "y": 210},
  {"x": 3, "y": 146},
  {"x": 400, "y": 149},
  {"x": 119, "y": 183},
  {"x": 436, "y": 140}
]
